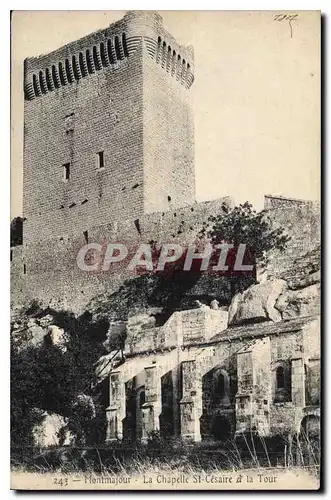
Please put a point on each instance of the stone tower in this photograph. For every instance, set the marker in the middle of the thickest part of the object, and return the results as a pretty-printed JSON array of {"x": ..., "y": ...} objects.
[{"x": 108, "y": 129}]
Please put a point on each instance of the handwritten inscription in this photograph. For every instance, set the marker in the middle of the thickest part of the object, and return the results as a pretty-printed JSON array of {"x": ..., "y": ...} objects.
[{"x": 287, "y": 17}]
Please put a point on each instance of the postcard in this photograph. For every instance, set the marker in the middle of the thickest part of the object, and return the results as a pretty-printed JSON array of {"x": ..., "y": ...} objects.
[{"x": 165, "y": 250}]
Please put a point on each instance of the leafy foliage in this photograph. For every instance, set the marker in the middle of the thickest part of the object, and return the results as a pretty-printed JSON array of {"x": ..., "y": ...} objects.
[
  {"x": 243, "y": 224},
  {"x": 47, "y": 378}
]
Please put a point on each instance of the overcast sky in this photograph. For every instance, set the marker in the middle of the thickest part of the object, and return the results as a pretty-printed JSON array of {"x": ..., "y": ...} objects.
[{"x": 255, "y": 96}]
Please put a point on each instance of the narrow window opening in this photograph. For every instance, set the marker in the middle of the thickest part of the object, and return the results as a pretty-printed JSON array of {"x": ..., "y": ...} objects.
[
  {"x": 280, "y": 378},
  {"x": 169, "y": 198},
  {"x": 24, "y": 268},
  {"x": 101, "y": 160},
  {"x": 11, "y": 255},
  {"x": 86, "y": 236},
  {"x": 219, "y": 389},
  {"x": 66, "y": 172},
  {"x": 137, "y": 224},
  {"x": 282, "y": 384}
]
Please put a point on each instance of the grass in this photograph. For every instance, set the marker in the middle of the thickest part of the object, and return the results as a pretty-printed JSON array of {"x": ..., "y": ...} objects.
[{"x": 251, "y": 452}]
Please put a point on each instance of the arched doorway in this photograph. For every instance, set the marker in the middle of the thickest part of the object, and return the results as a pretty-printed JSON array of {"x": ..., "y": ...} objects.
[
  {"x": 216, "y": 422},
  {"x": 308, "y": 441},
  {"x": 167, "y": 413}
]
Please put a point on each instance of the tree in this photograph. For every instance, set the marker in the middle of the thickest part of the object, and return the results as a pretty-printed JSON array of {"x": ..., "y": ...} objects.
[{"x": 243, "y": 224}]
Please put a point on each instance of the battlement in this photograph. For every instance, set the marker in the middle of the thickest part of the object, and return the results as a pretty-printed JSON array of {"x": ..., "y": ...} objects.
[{"x": 108, "y": 48}]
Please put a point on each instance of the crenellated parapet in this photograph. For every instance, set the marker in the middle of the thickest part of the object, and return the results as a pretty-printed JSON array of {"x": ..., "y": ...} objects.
[{"x": 108, "y": 48}]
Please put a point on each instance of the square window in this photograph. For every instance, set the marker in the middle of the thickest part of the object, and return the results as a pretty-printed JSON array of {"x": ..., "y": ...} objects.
[{"x": 100, "y": 160}]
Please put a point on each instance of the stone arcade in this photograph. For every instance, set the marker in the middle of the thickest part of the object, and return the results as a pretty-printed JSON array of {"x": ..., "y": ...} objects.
[{"x": 182, "y": 380}]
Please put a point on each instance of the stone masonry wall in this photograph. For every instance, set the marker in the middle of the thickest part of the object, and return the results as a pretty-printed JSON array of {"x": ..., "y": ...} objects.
[
  {"x": 101, "y": 120},
  {"x": 302, "y": 222},
  {"x": 169, "y": 173},
  {"x": 247, "y": 359},
  {"x": 52, "y": 274}
]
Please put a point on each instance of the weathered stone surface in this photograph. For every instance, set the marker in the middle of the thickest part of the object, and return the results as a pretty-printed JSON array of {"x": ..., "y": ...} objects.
[
  {"x": 257, "y": 303},
  {"x": 52, "y": 431},
  {"x": 304, "y": 281},
  {"x": 140, "y": 322},
  {"x": 295, "y": 303},
  {"x": 57, "y": 337}
]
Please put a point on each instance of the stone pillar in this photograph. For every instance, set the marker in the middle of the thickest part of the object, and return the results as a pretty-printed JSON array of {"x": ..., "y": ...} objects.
[
  {"x": 176, "y": 400},
  {"x": 298, "y": 381},
  {"x": 152, "y": 407},
  {"x": 191, "y": 402},
  {"x": 115, "y": 412}
]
